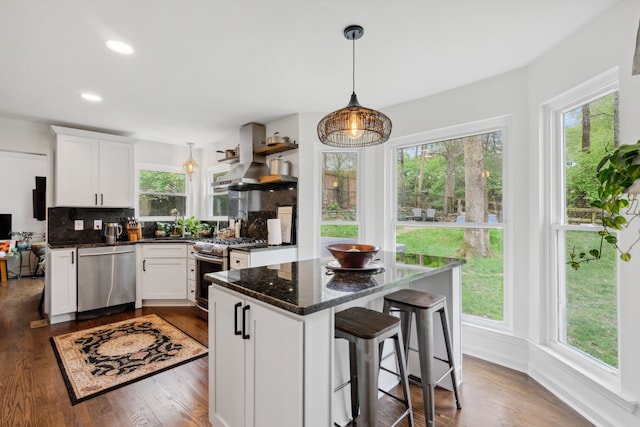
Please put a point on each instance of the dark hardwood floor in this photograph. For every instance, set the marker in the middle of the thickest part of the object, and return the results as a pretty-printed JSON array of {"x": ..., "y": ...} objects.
[{"x": 32, "y": 391}]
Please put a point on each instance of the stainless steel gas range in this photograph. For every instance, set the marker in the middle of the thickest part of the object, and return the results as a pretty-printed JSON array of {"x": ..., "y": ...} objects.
[{"x": 212, "y": 255}]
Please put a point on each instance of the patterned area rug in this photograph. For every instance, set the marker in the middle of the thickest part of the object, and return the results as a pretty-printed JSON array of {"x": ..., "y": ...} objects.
[{"x": 100, "y": 359}]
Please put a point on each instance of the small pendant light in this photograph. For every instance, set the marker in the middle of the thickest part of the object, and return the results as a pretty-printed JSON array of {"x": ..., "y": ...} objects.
[
  {"x": 354, "y": 125},
  {"x": 190, "y": 165}
]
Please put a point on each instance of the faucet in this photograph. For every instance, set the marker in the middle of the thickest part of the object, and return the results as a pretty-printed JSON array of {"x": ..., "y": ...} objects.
[{"x": 184, "y": 226}]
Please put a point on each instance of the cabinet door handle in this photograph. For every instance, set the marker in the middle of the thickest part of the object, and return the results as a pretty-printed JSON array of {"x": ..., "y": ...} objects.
[
  {"x": 245, "y": 335},
  {"x": 95, "y": 197},
  {"x": 101, "y": 199},
  {"x": 236, "y": 331},
  {"x": 144, "y": 265},
  {"x": 73, "y": 257}
]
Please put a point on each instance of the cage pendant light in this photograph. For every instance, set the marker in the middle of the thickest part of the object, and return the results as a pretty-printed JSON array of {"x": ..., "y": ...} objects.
[
  {"x": 354, "y": 125},
  {"x": 190, "y": 165}
]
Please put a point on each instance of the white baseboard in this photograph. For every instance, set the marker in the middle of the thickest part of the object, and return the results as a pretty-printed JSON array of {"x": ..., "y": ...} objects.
[{"x": 166, "y": 302}]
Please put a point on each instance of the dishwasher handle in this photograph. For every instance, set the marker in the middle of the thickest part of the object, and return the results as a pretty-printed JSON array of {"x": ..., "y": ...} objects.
[{"x": 88, "y": 252}]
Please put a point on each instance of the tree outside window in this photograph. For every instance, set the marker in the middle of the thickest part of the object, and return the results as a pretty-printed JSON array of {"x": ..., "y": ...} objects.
[
  {"x": 457, "y": 183},
  {"x": 587, "y": 298},
  {"x": 159, "y": 192},
  {"x": 339, "y": 197}
]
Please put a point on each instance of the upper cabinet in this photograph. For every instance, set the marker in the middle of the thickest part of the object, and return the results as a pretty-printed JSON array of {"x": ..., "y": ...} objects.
[{"x": 93, "y": 169}]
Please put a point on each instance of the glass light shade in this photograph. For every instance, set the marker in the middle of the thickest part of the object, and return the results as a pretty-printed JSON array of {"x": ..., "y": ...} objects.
[
  {"x": 354, "y": 126},
  {"x": 190, "y": 165}
]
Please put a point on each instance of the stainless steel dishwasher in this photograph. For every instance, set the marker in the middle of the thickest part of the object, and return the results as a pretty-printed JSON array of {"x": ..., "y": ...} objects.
[{"x": 106, "y": 280}]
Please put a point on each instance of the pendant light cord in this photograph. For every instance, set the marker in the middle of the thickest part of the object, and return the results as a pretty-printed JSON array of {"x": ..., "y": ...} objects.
[{"x": 353, "y": 68}]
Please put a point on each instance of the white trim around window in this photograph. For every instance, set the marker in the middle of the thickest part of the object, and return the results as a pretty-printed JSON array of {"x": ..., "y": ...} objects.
[
  {"x": 162, "y": 168},
  {"x": 552, "y": 134},
  {"x": 503, "y": 124}
]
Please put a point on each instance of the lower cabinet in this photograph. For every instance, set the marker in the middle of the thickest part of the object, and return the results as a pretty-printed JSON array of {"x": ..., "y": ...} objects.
[
  {"x": 256, "y": 364},
  {"x": 245, "y": 259},
  {"x": 61, "y": 284},
  {"x": 164, "y": 271},
  {"x": 191, "y": 274}
]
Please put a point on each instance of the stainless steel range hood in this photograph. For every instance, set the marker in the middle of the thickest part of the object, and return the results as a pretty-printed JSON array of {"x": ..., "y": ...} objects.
[{"x": 250, "y": 166}]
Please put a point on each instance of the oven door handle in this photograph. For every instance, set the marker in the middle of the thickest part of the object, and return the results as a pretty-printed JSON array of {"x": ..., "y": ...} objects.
[
  {"x": 236, "y": 331},
  {"x": 214, "y": 260}
]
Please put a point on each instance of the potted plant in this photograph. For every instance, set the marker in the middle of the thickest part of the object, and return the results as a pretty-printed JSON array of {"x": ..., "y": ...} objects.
[
  {"x": 163, "y": 229},
  {"x": 617, "y": 198},
  {"x": 204, "y": 229},
  {"x": 191, "y": 225}
]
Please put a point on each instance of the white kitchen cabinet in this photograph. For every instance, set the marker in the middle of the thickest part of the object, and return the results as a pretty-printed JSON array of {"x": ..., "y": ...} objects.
[
  {"x": 245, "y": 259},
  {"x": 256, "y": 366},
  {"x": 191, "y": 274},
  {"x": 164, "y": 271},
  {"x": 61, "y": 284},
  {"x": 93, "y": 169}
]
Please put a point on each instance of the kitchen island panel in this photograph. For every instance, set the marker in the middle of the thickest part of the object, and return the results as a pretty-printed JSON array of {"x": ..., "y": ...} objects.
[
  {"x": 256, "y": 368},
  {"x": 304, "y": 292}
]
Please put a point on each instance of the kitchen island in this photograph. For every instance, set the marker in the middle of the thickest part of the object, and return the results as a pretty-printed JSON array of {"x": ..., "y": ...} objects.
[{"x": 273, "y": 356}]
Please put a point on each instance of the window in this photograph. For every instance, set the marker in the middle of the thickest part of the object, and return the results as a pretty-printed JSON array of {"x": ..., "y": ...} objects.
[
  {"x": 586, "y": 318},
  {"x": 449, "y": 199},
  {"x": 218, "y": 207},
  {"x": 340, "y": 199},
  {"x": 160, "y": 191}
]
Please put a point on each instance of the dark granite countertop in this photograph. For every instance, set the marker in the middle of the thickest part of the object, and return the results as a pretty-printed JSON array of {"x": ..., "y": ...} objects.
[
  {"x": 264, "y": 247},
  {"x": 61, "y": 245},
  {"x": 308, "y": 286}
]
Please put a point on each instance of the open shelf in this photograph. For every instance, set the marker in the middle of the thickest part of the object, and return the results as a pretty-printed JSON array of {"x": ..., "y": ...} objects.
[
  {"x": 275, "y": 148},
  {"x": 229, "y": 160}
]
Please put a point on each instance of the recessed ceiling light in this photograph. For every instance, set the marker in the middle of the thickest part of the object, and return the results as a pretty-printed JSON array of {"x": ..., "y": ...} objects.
[
  {"x": 119, "y": 47},
  {"x": 91, "y": 97}
]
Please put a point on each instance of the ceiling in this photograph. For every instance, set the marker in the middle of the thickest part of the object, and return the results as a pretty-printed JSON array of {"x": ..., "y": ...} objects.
[{"x": 203, "y": 68}]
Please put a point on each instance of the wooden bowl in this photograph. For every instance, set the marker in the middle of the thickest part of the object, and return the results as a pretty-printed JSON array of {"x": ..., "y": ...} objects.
[{"x": 353, "y": 255}]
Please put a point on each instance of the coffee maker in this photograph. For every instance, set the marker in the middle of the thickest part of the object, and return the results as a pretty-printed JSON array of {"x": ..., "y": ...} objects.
[{"x": 112, "y": 231}]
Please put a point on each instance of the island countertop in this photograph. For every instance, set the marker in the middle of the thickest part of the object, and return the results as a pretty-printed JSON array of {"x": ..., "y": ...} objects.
[{"x": 308, "y": 286}]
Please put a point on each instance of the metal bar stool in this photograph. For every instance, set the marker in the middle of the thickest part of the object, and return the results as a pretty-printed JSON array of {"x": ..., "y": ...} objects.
[
  {"x": 366, "y": 331},
  {"x": 424, "y": 305}
]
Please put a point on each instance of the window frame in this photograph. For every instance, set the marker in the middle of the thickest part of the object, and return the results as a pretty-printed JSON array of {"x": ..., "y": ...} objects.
[
  {"x": 211, "y": 170},
  {"x": 162, "y": 168},
  {"x": 553, "y": 126},
  {"x": 359, "y": 197},
  {"x": 499, "y": 123}
]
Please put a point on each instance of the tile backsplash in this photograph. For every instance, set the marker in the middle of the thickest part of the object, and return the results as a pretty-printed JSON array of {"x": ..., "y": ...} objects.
[{"x": 61, "y": 224}]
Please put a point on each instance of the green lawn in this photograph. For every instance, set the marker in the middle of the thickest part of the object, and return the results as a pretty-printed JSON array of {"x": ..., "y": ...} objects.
[
  {"x": 591, "y": 291},
  {"x": 482, "y": 290},
  {"x": 592, "y": 301}
]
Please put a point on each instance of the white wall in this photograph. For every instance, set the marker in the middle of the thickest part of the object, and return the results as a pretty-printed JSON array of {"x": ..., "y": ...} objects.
[
  {"x": 24, "y": 154},
  {"x": 17, "y": 173},
  {"x": 605, "y": 43}
]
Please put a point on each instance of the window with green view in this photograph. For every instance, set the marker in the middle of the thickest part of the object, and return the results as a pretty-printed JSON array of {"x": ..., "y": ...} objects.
[
  {"x": 340, "y": 199},
  {"x": 449, "y": 203},
  {"x": 587, "y": 318},
  {"x": 159, "y": 192}
]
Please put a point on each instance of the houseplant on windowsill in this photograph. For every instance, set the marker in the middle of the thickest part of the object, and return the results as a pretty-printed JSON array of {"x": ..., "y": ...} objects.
[{"x": 618, "y": 191}]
